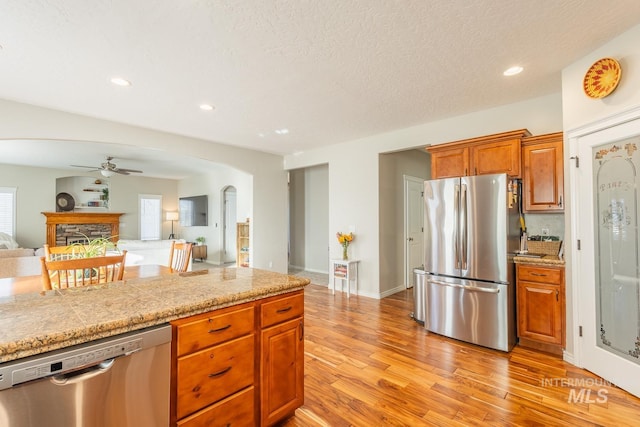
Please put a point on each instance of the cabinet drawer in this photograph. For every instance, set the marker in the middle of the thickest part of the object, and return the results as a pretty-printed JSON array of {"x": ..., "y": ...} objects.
[
  {"x": 212, "y": 328},
  {"x": 213, "y": 374},
  {"x": 540, "y": 274},
  {"x": 236, "y": 410},
  {"x": 281, "y": 309}
]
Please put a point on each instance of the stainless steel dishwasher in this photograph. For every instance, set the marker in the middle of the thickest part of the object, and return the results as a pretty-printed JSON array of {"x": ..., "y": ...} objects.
[{"x": 118, "y": 381}]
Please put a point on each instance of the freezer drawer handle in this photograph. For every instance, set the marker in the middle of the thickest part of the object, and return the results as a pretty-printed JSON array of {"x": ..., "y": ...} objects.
[{"x": 466, "y": 288}]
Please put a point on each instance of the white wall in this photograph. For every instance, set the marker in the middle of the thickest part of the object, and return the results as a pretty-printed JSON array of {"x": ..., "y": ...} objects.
[
  {"x": 580, "y": 110},
  {"x": 354, "y": 170},
  {"x": 393, "y": 167},
  {"x": 213, "y": 184},
  {"x": 309, "y": 218},
  {"x": 269, "y": 205}
]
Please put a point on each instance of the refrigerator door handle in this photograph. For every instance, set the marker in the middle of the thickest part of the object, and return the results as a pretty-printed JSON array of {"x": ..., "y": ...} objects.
[
  {"x": 463, "y": 226},
  {"x": 456, "y": 228},
  {"x": 466, "y": 288}
]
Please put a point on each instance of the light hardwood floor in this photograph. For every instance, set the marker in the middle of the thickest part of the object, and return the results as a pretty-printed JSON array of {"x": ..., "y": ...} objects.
[{"x": 368, "y": 364}]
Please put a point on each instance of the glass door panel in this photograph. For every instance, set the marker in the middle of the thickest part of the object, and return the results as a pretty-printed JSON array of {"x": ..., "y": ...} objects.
[{"x": 617, "y": 263}]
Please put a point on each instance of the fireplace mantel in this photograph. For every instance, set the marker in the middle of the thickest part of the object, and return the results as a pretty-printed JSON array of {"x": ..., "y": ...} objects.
[{"x": 56, "y": 218}]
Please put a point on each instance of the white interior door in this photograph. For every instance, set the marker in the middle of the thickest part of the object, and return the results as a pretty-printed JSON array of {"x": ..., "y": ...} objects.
[
  {"x": 413, "y": 227},
  {"x": 606, "y": 282},
  {"x": 230, "y": 220}
]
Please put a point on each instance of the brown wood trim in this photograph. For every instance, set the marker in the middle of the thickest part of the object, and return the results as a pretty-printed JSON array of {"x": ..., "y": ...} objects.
[
  {"x": 515, "y": 134},
  {"x": 55, "y": 218},
  {"x": 549, "y": 137},
  {"x": 537, "y": 345}
]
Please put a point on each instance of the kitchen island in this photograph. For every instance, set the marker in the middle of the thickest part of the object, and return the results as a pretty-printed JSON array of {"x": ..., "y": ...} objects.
[
  {"x": 40, "y": 322},
  {"x": 257, "y": 308}
]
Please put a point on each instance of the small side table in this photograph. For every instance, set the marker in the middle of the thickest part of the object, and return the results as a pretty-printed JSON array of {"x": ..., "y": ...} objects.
[
  {"x": 199, "y": 251},
  {"x": 344, "y": 271}
]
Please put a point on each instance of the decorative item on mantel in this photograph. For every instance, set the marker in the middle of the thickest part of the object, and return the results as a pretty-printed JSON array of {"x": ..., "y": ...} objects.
[{"x": 345, "y": 240}]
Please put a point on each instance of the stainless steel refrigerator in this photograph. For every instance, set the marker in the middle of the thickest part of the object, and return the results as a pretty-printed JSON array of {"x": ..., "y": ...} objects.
[{"x": 471, "y": 236}]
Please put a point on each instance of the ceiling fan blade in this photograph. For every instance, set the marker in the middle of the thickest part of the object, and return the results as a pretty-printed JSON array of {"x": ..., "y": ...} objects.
[
  {"x": 128, "y": 170},
  {"x": 120, "y": 171},
  {"x": 88, "y": 167}
]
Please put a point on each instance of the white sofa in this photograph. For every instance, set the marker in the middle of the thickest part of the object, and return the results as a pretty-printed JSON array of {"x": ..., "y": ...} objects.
[
  {"x": 19, "y": 262},
  {"x": 146, "y": 252}
]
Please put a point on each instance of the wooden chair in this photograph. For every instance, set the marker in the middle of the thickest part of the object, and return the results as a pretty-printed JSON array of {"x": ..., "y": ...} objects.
[
  {"x": 59, "y": 253},
  {"x": 70, "y": 273},
  {"x": 180, "y": 256}
]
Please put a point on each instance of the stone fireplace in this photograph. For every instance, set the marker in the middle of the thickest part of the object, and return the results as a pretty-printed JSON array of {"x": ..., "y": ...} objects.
[{"x": 65, "y": 228}]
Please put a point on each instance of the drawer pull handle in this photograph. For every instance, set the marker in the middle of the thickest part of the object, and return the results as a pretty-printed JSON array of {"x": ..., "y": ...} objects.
[
  {"x": 301, "y": 330},
  {"x": 284, "y": 310},
  {"x": 538, "y": 274},
  {"x": 222, "y": 372},
  {"x": 211, "y": 331}
]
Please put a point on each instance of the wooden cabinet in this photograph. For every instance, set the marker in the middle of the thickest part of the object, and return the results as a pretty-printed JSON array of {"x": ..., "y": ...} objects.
[
  {"x": 242, "y": 365},
  {"x": 543, "y": 177},
  {"x": 199, "y": 252},
  {"x": 213, "y": 368},
  {"x": 541, "y": 307},
  {"x": 242, "y": 244},
  {"x": 499, "y": 153},
  {"x": 282, "y": 357},
  {"x": 448, "y": 163}
]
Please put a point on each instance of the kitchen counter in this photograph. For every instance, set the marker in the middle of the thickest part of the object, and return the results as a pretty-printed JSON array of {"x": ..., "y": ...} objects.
[
  {"x": 549, "y": 260},
  {"x": 40, "y": 322}
]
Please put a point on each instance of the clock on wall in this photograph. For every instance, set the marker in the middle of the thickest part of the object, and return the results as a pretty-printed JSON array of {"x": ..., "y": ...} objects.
[{"x": 602, "y": 78}]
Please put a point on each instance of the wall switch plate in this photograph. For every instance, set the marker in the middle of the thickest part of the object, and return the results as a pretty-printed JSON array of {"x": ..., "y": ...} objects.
[{"x": 545, "y": 231}]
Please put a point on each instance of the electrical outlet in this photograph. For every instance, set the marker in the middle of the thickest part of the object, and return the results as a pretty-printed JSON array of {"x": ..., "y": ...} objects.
[{"x": 545, "y": 231}]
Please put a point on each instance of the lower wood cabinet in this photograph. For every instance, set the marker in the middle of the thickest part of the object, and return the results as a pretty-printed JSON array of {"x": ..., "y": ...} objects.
[
  {"x": 282, "y": 358},
  {"x": 541, "y": 307},
  {"x": 239, "y": 366}
]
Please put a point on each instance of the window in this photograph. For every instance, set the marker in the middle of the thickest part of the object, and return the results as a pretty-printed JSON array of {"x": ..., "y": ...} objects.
[
  {"x": 150, "y": 216},
  {"x": 8, "y": 211}
]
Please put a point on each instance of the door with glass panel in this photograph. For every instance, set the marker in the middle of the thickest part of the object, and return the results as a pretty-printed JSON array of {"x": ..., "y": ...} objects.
[{"x": 608, "y": 262}]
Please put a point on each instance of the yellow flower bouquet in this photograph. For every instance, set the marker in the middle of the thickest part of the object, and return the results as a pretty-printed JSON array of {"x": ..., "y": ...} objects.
[{"x": 344, "y": 240}]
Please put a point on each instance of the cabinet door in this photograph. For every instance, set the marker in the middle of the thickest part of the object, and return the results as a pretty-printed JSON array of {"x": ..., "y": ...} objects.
[
  {"x": 450, "y": 163},
  {"x": 543, "y": 177},
  {"x": 496, "y": 157},
  {"x": 540, "y": 312},
  {"x": 282, "y": 371}
]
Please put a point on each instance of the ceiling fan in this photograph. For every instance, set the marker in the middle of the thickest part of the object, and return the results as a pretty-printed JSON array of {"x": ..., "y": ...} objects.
[{"x": 109, "y": 169}]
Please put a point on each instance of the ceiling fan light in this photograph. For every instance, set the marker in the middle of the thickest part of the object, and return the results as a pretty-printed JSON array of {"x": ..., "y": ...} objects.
[{"x": 107, "y": 173}]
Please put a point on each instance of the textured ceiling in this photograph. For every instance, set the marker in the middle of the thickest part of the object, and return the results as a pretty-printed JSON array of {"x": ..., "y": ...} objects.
[{"x": 329, "y": 71}]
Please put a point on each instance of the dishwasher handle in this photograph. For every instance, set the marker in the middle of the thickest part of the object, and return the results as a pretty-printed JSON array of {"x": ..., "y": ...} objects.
[
  {"x": 466, "y": 288},
  {"x": 83, "y": 374}
]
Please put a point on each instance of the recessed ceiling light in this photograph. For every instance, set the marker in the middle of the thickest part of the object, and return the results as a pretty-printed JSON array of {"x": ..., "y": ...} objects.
[
  {"x": 282, "y": 131},
  {"x": 120, "y": 81},
  {"x": 206, "y": 107},
  {"x": 513, "y": 71}
]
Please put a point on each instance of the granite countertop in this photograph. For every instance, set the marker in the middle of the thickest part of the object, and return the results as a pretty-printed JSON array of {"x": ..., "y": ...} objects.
[
  {"x": 40, "y": 322},
  {"x": 548, "y": 260}
]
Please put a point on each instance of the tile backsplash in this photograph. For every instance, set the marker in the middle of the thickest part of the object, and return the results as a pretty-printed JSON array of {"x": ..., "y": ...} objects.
[{"x": 537, "y": 222}]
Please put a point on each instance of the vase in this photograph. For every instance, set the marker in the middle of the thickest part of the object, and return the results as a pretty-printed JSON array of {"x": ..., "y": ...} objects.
[{"x": 345, "y": 256}]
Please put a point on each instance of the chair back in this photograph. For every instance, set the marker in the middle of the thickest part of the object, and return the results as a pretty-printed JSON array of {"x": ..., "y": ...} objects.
[
  {"x": 59, "y": 253},
  {"x": 70, "y": 273},
  {"x": 180, "y": 256}
]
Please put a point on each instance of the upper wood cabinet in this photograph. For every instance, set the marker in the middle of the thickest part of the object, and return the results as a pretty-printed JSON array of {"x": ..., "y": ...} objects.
[
  {"x": 543, "y": 176},
  {"x": 499, "y": 153}
]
